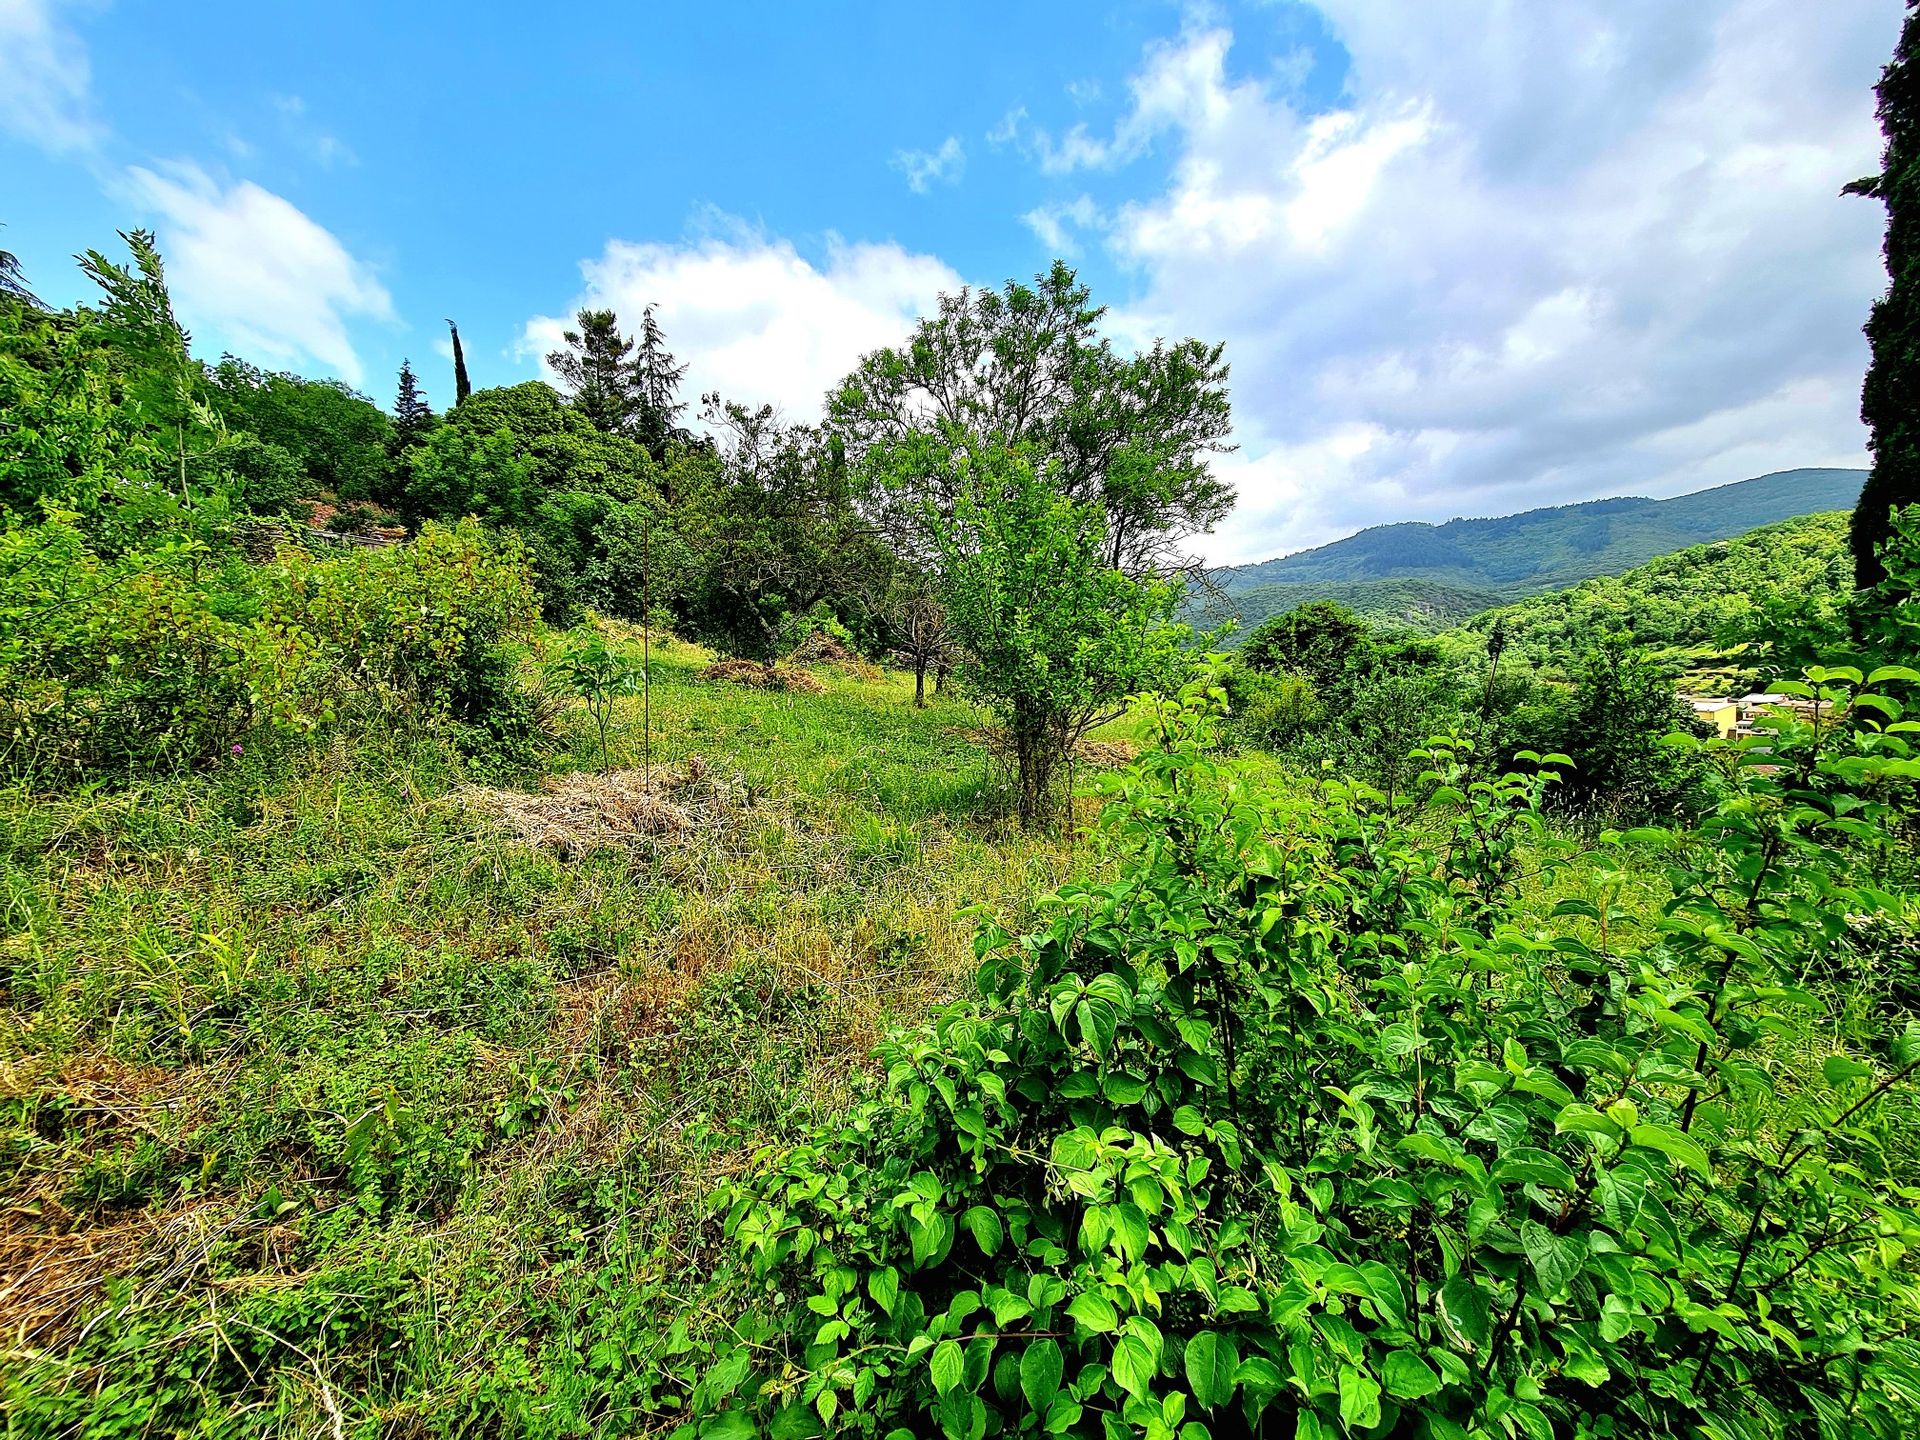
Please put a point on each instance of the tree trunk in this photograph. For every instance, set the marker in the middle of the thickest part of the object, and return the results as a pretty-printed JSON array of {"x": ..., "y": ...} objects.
[
  {"x": 919, "y": 681},
  {"x": 1035, "y": 752}
]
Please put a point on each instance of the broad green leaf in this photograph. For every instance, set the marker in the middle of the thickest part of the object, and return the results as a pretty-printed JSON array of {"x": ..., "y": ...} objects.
[
  {"x": 1211, "y": 1362},
  {"x": 1407, "y": 1376},
  {"x": 731, "y": 1426},
  {"x": 985, "y": 1227},
  {"x": 948, "y": 1365},
  {"x": 1096, "y": 1312},
  {"x": 884, "y": 1286},
  {"x": 1673, "y": 1144},
  {"x": 1841, "y": 1069},
  {"x": 1040, "y": 1369},
  {"x": 1133, "y": 1366},
  {"x": 1556, "y": 1259},
  {"x": 1529, "y": 1165},
  {"x": 1359, "y": 1399},
  {"x": 1467, "y": 1309}
]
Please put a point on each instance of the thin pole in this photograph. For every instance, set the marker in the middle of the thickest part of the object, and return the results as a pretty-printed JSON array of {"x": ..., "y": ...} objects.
[{"x": 646, "y": 655}]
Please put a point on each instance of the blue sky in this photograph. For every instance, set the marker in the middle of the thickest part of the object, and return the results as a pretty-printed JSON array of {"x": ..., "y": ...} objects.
[{"x": 1467, "y": 256}]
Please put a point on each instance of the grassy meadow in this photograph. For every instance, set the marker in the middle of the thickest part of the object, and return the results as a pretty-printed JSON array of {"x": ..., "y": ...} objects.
[{"x": 321, "y": 1089}]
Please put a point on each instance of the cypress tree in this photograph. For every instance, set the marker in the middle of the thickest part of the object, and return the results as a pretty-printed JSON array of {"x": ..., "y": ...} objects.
[
  {"x": 462, "y": 387},
  {"x": 1890, "y": 399}
]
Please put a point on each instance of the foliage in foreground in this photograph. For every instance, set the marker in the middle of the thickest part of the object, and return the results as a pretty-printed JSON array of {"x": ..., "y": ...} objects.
[{"x": 1292, "y": 1126}]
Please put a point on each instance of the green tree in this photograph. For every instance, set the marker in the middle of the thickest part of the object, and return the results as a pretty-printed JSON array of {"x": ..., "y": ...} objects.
[
  {"x": 412, "y": 415},
  {"x": 458, "y": 472},
  {"x": 1133, "y": 435},
  {"x": 462, "y": 387},
  {"x": 1315, "y": 640},
  {"x": 339, "y": 436},
  {"x": 598, "y": 371},
  {"x": 1887, "y": 402},
  {"x": 1054, "y": 637},
  {"x": 656, "y": 378},
  {"x": 13, "y": 280},
  {"x": 161, "y": 376}
]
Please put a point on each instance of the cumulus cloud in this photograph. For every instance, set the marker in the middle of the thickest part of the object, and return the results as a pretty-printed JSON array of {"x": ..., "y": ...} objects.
[
  {"x": 46, "y": 82},
  {"x": 1535, "y": 253},
  {"x": 756, "y": 320},
  {"x": 926, "y": 168},
  {"x": 260, "y": 273},
  {"x": 1055, "y": 224}
]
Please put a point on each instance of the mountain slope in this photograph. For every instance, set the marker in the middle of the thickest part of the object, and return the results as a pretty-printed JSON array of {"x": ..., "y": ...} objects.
[
  {"x": 1692, "y": 607},
  {"x": 1418, "y": 604},
  {"x": 1546, "y": 549}
]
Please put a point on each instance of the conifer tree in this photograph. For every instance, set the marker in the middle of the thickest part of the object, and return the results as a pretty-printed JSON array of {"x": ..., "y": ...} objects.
[
  {"x": 462, "y": 387},
  {"x": 656, "y": 385},
  {"x": 1888, "y": 400},
  {"x": 412, "y": 416},
  {"x": 597, "y": 372}
]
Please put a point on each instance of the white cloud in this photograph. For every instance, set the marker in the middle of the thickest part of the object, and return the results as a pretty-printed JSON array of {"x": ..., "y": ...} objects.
[
  {"x": 753, "y": 318},
  {"x": 925, "y": 168},
  {"x": 253, "y": 268},
  {"x": 1537, "y": 252},
  {"x": 46, "y": 85},
  {"x": 1054, "y": 224}
]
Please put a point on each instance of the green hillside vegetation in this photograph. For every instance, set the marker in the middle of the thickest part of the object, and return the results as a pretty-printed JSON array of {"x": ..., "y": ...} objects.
[
  {"x": 1713, "y": 610},
  {"x": 1545, "y": 549},
  {"x": 1422, "y": 605},
  {"x": 777, "y": 933}
]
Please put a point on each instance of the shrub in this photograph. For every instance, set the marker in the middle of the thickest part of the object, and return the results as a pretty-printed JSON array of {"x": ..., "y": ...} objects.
[{"x": 1297, "y": 1127}]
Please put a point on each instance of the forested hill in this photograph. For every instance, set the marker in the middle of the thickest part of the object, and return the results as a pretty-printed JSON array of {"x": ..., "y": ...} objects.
[
  {"x": 1702, "y": 609},
  {"x": 1538, "y": 550}
]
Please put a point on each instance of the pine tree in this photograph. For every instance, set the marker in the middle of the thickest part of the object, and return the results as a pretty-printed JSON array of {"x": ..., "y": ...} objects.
[
  {"x": 462, "y": 387},
  {"x": 596, "y": 370},
  {"x": 1888, "y": 400},
  {"x": 13, "y": 281},
  {"x": 656, "y": 386},
  {"x": 412, "y": 416}
]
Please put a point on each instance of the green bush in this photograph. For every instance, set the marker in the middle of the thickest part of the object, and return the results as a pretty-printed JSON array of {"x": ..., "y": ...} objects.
[
  {"x": 1298, "y": 1126},
  {"x": 170, "y": 655}
]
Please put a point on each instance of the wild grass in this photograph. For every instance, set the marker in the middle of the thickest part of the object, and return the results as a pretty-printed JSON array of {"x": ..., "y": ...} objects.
[{"x": 321, "y": 1094}]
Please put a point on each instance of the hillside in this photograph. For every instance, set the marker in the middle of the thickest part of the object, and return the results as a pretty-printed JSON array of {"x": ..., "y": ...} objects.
[
  {"x": 1696, "y": 606},
  {"x": 1546, "y": 549},
  {"x": 1420, "y": 604}
]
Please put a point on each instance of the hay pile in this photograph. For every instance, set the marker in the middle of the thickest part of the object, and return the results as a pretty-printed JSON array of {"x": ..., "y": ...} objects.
[
  {"x": 820, "y": 648},
  {"x": 763, "y": 677},
  {"x": 1105, "y": 754},
  {"x": 578, "y": 813}
]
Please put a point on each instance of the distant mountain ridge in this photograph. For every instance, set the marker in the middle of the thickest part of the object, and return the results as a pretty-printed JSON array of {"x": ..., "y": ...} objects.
[{"x": 1465, "y": 561}]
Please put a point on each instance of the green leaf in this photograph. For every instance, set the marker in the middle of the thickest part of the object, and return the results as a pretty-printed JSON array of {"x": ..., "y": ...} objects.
[
  {"x": 985, "y": 1227},
  {"x": 1531, "y": 1166},
  {"x": 884, "y": 1286},
  {"x": 1096, "y": 1312},
  {"x": 1040, "y": 1370},
  {"x": 1556, "y": 1259},
  {"x": 1467, "y": 1309},
  {"x": 1133, "y": 1366},
  {"x": 1841, "y": 1069},
  {"x": 1407, "y": 1376},
  {"x": 1673, "y": 1144},
  {"x": 1131, "y": 1229},
  {"x": 1359, "y": 1399},
  {"x": 948, "y": 1365},
  {"x": 1585, "y": 1120},
  {"x": 731, "y": 1426},
  {"x": 1211, "y": 1363}
]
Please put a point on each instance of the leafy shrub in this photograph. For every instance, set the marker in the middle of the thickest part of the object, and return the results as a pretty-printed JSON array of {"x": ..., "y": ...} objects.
[
  {"x": 1296, "y": 1125},
  {"x": 165, "y": 657}
]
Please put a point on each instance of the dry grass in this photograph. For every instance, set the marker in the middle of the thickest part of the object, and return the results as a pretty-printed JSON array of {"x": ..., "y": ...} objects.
[
  {"x": 764, "y": 677},
  {"x": 581, "y": 812}
]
